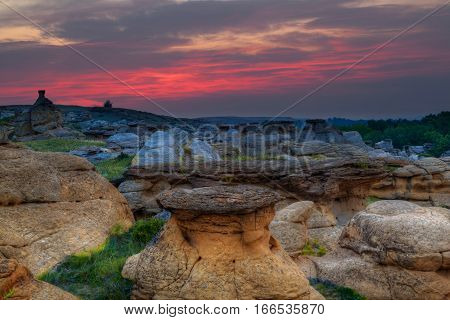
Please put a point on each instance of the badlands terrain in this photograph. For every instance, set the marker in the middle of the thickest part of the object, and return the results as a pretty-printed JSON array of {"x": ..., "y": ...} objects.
[{"x": 106, "y": 203}]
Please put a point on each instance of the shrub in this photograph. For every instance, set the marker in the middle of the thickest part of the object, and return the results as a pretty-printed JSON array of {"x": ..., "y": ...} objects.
[
  {"x": 314, "y": 248},
  {"x": 332, "y": 291},
  {"x": 96, "y": 274},
  {"x": 114, "y": 169},
  {"x": 60, "y": 145}
]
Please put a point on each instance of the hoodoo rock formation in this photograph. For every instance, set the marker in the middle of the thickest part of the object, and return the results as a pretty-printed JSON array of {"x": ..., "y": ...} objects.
[
  {"x": 217, "y": 245},
  {"x": 53, "y": 205}
]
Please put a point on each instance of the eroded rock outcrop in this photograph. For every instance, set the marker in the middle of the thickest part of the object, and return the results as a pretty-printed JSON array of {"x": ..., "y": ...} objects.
[
  {"x": 217, "y": 245},
  {"x": 401, "y": 233},
  {"x": 53, "y": 205},
  {"x": 425, "y": 180},
  {"x": 391, "y": 250},
  {"x": 17, "y": 283}
]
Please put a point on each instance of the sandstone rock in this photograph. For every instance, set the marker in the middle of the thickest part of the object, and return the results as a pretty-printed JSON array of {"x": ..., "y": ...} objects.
[
  {"x": 425, "y": 180},
  {"x": 217, "y": 245},
  {"x": 53, "y": 205},
  {"x": 321, "y": 218},
  {"x": 400, "y": 233},
  {"x": 289, "y": 226},
  {"x": 17, "y": 283},
  {"x": 141, "y": 194},
  {"x": 381, "y": 282}
]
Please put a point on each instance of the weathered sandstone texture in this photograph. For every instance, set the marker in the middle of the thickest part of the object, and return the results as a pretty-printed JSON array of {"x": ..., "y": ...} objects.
[
  {"x": 391, "y": 250},
  {"x": 289, "y": 226},
  {"x": 17, "y": 283},
  {"x": 427, "y": 179},
  {"x": 401, "y": 233},
  {"x": 339, "y": 183},
  {"x": 53, "y": 205},
  {"x": 217, "y": 245}
]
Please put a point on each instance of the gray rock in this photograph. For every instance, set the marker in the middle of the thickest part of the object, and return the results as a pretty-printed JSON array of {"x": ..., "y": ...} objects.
[
  {"x": 385, "y": 145},
  {"x": 159, "y": 156},
  {"x": 124, "y": 141},
  {"x": 163, "y": 215},
  {"x": 354, "y": 137},
  {"x": 5, "y": 132},
  {"x": 95, "y": 154},
  {"x": 201, "y": 150}
]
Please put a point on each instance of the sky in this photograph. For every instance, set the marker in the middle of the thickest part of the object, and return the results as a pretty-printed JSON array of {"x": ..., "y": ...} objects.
[{"x": 191, "y": 58}]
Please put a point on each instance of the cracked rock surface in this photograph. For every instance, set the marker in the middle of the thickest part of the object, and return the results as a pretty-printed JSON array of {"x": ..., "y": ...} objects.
[
  {"x": 391, "y": 250},
  {"x": 217, "y": 250},
  {"x": 53, "y": 205},
  {"x": 401, "y": 233}
]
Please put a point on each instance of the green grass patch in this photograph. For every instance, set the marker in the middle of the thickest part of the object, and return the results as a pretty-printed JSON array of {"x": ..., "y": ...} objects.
[
  {"x": 332, "y": 291},
  {"x": 114, "y": 169},
  {"x": 96, "y": 274},
  {"x": 314, "y": 248},
  {"x": 391, "y": 168},
  {"x": 317, "y": 156},
  {"x": 371, "y": 200},
  {"x": 9, "y": 294},
  {"x": 61, "y": 145}
]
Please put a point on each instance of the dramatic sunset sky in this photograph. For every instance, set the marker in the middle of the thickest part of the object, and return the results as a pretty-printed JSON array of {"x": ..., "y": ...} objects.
[{"x": 243, "y": 57}]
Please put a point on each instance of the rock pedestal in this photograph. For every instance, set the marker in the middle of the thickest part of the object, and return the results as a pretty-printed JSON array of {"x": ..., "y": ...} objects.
[
  {"x": 217, "y": 245},
  {"x": 41, "y": 118}
]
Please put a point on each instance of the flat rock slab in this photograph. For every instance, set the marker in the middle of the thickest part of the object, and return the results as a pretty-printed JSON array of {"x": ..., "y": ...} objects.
[{"x": 239, "y": 199}]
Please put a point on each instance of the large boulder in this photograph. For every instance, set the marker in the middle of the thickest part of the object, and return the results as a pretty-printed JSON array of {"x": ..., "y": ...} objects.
[
  {"x": 289, "y": 226},
  {"x": 127, "y": 143},
  {"x": 17, "y": 283},
  {"x": 354, "y": 137},
  {"x": 217, "y": 245},
  {"x": 53, "y": 205},
  {"x": 391, "y": 250},
  {"x": 162, "y": 147},
  {"x": 401, "y": 233},
  {"x": 380, "y": 282},
  {"x": 202, "y": 151}
]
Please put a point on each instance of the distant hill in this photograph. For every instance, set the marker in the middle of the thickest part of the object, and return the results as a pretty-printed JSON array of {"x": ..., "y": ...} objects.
[
  {"x": 241, "y": 120},
  {"x": 115, "y": 114}
]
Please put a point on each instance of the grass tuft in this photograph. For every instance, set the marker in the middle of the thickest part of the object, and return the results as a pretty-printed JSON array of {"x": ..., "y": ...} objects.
[
  {"x": 61, "y": 145},
  {"x": 314, "y": 248},
  {"x": 8, "y": 295},
  {"x": 332, "y": 291},
  {"x": 371, "y": 200},
  {"x": 96, "y": 274},
  {"x": 114, "y": 169}
]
